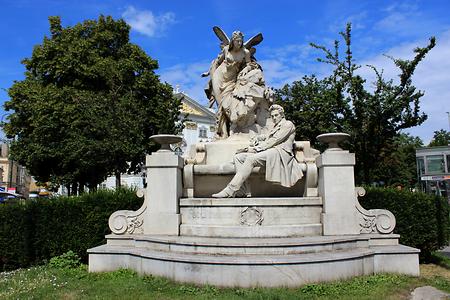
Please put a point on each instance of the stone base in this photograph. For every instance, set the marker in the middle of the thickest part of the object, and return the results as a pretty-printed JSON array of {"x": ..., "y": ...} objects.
[
  {"x": 253, "y": 262},
  {"x": 162, "y": 223},
  {"x": 251, "y": 217}
]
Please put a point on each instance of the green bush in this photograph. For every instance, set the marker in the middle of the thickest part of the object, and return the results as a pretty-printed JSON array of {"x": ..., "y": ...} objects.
[
  {"x": 422, "y": 219},
  {"x": 44, "y": 228},
  {"x": 68, "y": 260}
]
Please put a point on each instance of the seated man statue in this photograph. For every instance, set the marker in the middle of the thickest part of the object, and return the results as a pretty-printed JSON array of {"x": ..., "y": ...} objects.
[{"x": 273, "y": 150}]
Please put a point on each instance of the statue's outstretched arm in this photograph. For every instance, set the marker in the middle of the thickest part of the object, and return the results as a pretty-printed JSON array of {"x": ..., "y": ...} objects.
[{"x": 214, "y": 64}]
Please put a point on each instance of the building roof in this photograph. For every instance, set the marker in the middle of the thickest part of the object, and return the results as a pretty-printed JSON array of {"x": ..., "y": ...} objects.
[
  {"x": 193, "y": 108},
  {"x": 433, "y": 150}
]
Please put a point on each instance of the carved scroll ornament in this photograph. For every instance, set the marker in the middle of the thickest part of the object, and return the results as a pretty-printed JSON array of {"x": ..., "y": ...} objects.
[
  {"x": 373, "y": 220},
  {"x": 128, "y": 221}
]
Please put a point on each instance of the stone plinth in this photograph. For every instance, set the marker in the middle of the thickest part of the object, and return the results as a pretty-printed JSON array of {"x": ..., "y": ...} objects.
[
  {"x": 337, "y": 189},
  {"x": 163, "y": 193},
  {"x": 251, "y": 217}
]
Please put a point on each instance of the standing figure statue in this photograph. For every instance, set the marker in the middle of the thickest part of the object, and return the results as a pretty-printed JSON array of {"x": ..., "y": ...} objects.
[
  {"x": 273, "y": 150},
  {"x": 237, "y": 86}
]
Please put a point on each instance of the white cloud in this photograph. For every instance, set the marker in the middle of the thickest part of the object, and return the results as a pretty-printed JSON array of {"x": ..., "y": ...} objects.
[
  {"x": 145, "y": 22},
  {"x": 289, "y": 63},
  {"x": 431, "y": 76},
  {"x": 187, "y": 78},
  {"x": 406, "y": 19},
  {"x": 277, "y": 73},
  {"x": 358, "y": 22}
]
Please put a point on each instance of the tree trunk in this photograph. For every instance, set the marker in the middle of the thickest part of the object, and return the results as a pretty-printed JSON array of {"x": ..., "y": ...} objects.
[
  {"x": 81, "y": 188},
  {"x": 118, "y": 180},
  {"x": 74, "y": 188}
]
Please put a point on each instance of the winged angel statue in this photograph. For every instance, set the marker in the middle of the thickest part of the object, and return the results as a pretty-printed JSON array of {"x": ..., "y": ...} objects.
[{"x": 237, "y": 86}]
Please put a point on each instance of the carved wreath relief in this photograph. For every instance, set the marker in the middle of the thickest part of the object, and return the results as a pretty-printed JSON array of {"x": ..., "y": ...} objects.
[{"x": 251, "y": 216}]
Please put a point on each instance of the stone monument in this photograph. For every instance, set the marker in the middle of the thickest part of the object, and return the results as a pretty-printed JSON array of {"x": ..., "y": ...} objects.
[{"x": 255, "y": 207}]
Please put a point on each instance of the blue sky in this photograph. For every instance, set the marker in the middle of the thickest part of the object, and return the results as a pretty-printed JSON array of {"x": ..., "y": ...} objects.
[{"x": 179, "y": 35}]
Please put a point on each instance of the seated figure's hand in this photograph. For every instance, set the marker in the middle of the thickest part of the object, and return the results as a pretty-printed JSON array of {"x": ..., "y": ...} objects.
[
  {"x": 252, "y": 150},
  {"x": 259, "y": 148},
  {"x": 261, "y": 137}
]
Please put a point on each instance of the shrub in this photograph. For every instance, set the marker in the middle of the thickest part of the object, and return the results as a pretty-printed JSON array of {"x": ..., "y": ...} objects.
[
  {"x": 44, "y": 228},
  {"x": 68, "y": 260},
  {"x": 422, "y": 219}
]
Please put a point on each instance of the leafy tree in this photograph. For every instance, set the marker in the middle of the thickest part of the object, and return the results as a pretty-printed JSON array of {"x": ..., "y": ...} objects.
[
  {"x": 372, "y": 118},
  {"x": 397, "y": 165},
  {"x": 314, "y": 105},
  {"x": 88, "y": 104},
  {"x": 440, "y": 138}
]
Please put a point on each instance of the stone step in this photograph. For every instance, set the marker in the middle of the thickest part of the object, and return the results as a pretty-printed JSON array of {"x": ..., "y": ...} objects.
[
  {"x": 240, "y": 246},
  {"x": 256, "y": 270},
  {"x": 251, "y": 231}
]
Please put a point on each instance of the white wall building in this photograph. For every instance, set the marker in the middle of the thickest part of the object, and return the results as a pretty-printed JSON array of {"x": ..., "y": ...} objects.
[{"x": 200, "y": 125}]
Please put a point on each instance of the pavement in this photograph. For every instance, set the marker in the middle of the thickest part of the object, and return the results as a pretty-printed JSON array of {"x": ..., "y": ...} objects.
[
  {"x": 428, "y": 293},
  {"x": 445, "y": 251}
]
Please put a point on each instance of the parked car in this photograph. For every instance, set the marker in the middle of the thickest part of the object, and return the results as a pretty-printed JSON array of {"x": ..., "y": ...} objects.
[{"x": 9, "y": 198}]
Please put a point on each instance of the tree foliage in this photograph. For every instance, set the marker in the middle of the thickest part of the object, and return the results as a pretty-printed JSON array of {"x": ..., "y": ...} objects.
[
  {"x": 440, "y": 138},
  {"x": 342, "y": 102},
  {"x": 397, "y": 166},
  {"x": 88, "y": 104}
]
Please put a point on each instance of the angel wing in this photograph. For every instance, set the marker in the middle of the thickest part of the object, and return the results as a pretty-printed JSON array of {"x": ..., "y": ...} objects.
[
  {"x": 221, "y": 35},
  {"x": 255, "y": 40}
]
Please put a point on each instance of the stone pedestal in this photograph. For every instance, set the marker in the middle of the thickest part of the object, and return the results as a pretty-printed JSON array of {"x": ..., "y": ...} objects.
[
  {"x": 278, "y": 241},
  {"x": 337, "y": 189},
  {"x": 164, "y": 188}
]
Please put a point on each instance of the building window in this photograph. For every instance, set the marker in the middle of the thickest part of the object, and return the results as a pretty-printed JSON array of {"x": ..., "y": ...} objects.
[
  {"x": 202, "y": 133},
  {"x": 435, "y": 164},
  {"x": 190, "y": 125},
  {"x": 420, "y": 166}
]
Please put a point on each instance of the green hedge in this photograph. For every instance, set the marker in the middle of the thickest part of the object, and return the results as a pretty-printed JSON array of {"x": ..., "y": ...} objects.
[
  {"x": 422, "y": 219},
  {"x": 43, "y": 228}
]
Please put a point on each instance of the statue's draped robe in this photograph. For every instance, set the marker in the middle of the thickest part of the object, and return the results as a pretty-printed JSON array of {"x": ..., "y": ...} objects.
[{"x": 281, "y": 165}]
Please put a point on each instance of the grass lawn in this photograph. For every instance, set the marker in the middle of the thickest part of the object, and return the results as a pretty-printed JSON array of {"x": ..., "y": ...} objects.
[{"x": 53, "y": 282}]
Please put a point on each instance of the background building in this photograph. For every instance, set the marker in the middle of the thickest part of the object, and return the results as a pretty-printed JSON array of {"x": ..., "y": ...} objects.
[
  {"x": 200, "y": 124},
  {"x": 13, "y": 177},
  {"x": 433, "y": 169}
]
